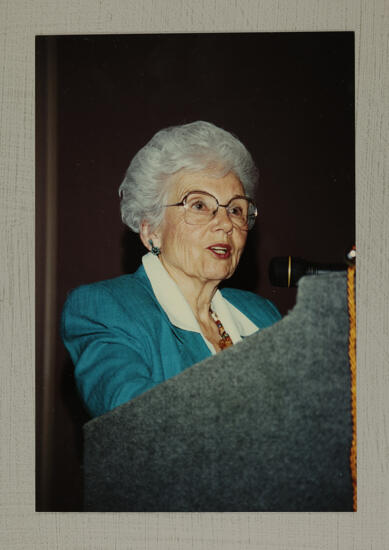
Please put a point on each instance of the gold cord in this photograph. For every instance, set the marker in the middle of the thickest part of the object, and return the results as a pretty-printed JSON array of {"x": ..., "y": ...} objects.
[{"x": 353, "y": 368}]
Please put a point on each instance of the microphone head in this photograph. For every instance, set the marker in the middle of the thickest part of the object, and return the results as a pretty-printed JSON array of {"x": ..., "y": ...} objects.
[{"x": 285, "y": 271}]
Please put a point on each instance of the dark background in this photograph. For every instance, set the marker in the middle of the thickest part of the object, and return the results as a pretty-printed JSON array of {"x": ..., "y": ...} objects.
[{"x": 288, "y": 96}]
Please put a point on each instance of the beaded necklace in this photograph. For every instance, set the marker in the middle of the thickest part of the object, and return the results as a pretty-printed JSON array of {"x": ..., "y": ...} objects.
[{"x": 225, "y": 341}]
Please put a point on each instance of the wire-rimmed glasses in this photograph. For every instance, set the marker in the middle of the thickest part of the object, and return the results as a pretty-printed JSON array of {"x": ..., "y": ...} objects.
[{"x": 201, "y": 207}]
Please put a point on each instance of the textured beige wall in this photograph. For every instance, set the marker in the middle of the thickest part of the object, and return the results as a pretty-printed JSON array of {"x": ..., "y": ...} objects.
[{"x": 20, "y": 526}]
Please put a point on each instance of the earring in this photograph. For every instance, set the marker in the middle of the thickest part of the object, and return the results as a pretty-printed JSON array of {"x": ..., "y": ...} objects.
[{"x": 154, "y": 249}]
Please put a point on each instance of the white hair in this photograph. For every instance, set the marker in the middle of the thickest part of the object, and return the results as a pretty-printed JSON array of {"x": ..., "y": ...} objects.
[{"x": 193, "y": 147}]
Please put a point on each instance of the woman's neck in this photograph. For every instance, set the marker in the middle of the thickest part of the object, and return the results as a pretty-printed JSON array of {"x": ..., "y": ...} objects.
[{"x": 197, "y": 293}]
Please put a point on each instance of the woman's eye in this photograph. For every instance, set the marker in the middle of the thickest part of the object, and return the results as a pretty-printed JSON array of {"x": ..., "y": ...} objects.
[
  {"x": 198, "y": 205},
  {"x": 236, "y": 211}
]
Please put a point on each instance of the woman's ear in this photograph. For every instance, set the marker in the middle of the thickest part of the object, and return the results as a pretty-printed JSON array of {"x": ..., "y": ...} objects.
[{"x": 146, "y": 235}]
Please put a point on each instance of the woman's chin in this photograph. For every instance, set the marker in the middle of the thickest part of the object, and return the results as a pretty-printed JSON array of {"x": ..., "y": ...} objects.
[{"x": 219, "y": 273}]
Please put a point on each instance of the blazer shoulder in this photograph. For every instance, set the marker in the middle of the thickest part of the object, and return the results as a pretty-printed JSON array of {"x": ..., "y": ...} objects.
[
  {"x": 259, "y": 309},
  {"x": 127, "y": 293}
]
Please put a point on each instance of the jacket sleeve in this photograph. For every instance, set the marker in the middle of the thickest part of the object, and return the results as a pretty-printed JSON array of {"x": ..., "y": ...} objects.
[{"x": 108, "y": 351}]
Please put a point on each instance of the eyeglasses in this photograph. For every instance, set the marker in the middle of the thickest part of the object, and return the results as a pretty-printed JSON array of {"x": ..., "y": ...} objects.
[{"x": 201, "y": 207}]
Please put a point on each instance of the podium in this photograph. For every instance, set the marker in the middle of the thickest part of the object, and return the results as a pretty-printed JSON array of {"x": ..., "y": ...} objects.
[{"x": 265, "y": 425}]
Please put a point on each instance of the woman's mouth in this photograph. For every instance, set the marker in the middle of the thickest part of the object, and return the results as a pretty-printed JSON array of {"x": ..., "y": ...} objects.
[{"x": 220, "y": 250}]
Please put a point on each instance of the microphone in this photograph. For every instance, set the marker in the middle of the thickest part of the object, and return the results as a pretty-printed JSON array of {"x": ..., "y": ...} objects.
[{"x": 285, "y": 271}]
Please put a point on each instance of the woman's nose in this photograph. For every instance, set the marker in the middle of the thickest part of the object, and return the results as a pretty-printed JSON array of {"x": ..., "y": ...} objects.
[{"x": 222, "y": 219}]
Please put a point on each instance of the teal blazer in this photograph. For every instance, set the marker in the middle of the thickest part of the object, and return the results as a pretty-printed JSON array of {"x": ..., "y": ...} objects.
[{"x": 122, "y": 342}]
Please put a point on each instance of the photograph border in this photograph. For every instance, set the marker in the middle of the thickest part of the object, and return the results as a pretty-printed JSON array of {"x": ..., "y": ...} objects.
[{"x": 20, "y": 526}]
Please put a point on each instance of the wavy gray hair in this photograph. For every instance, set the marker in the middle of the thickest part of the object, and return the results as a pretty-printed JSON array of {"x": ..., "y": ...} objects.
[{"x": 193, "y": 147}]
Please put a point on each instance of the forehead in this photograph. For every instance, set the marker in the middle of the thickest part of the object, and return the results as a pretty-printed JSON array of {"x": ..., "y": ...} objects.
[{"x": 223, "y": 188}]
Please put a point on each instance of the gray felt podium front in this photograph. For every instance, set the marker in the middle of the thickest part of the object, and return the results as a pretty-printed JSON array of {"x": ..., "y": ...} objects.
[{"x": 265, "y": 425}]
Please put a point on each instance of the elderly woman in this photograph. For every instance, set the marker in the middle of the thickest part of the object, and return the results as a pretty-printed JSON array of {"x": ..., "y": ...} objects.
[{"x": 188, "y": 194}]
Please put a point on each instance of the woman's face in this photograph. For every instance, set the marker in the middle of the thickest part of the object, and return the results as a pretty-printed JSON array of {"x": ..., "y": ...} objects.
[{"x": 186, "y": 250}]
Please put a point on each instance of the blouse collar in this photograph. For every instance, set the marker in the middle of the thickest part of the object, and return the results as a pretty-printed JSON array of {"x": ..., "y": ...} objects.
[{"x": 179, "y": 311}]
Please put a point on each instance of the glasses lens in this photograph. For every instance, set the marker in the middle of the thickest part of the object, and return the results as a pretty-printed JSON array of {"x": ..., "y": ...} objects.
[
  {"x": 199, "y": 208},
  {"x": 251, "y": 215},
  {"x": 242, "y": 212}
]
